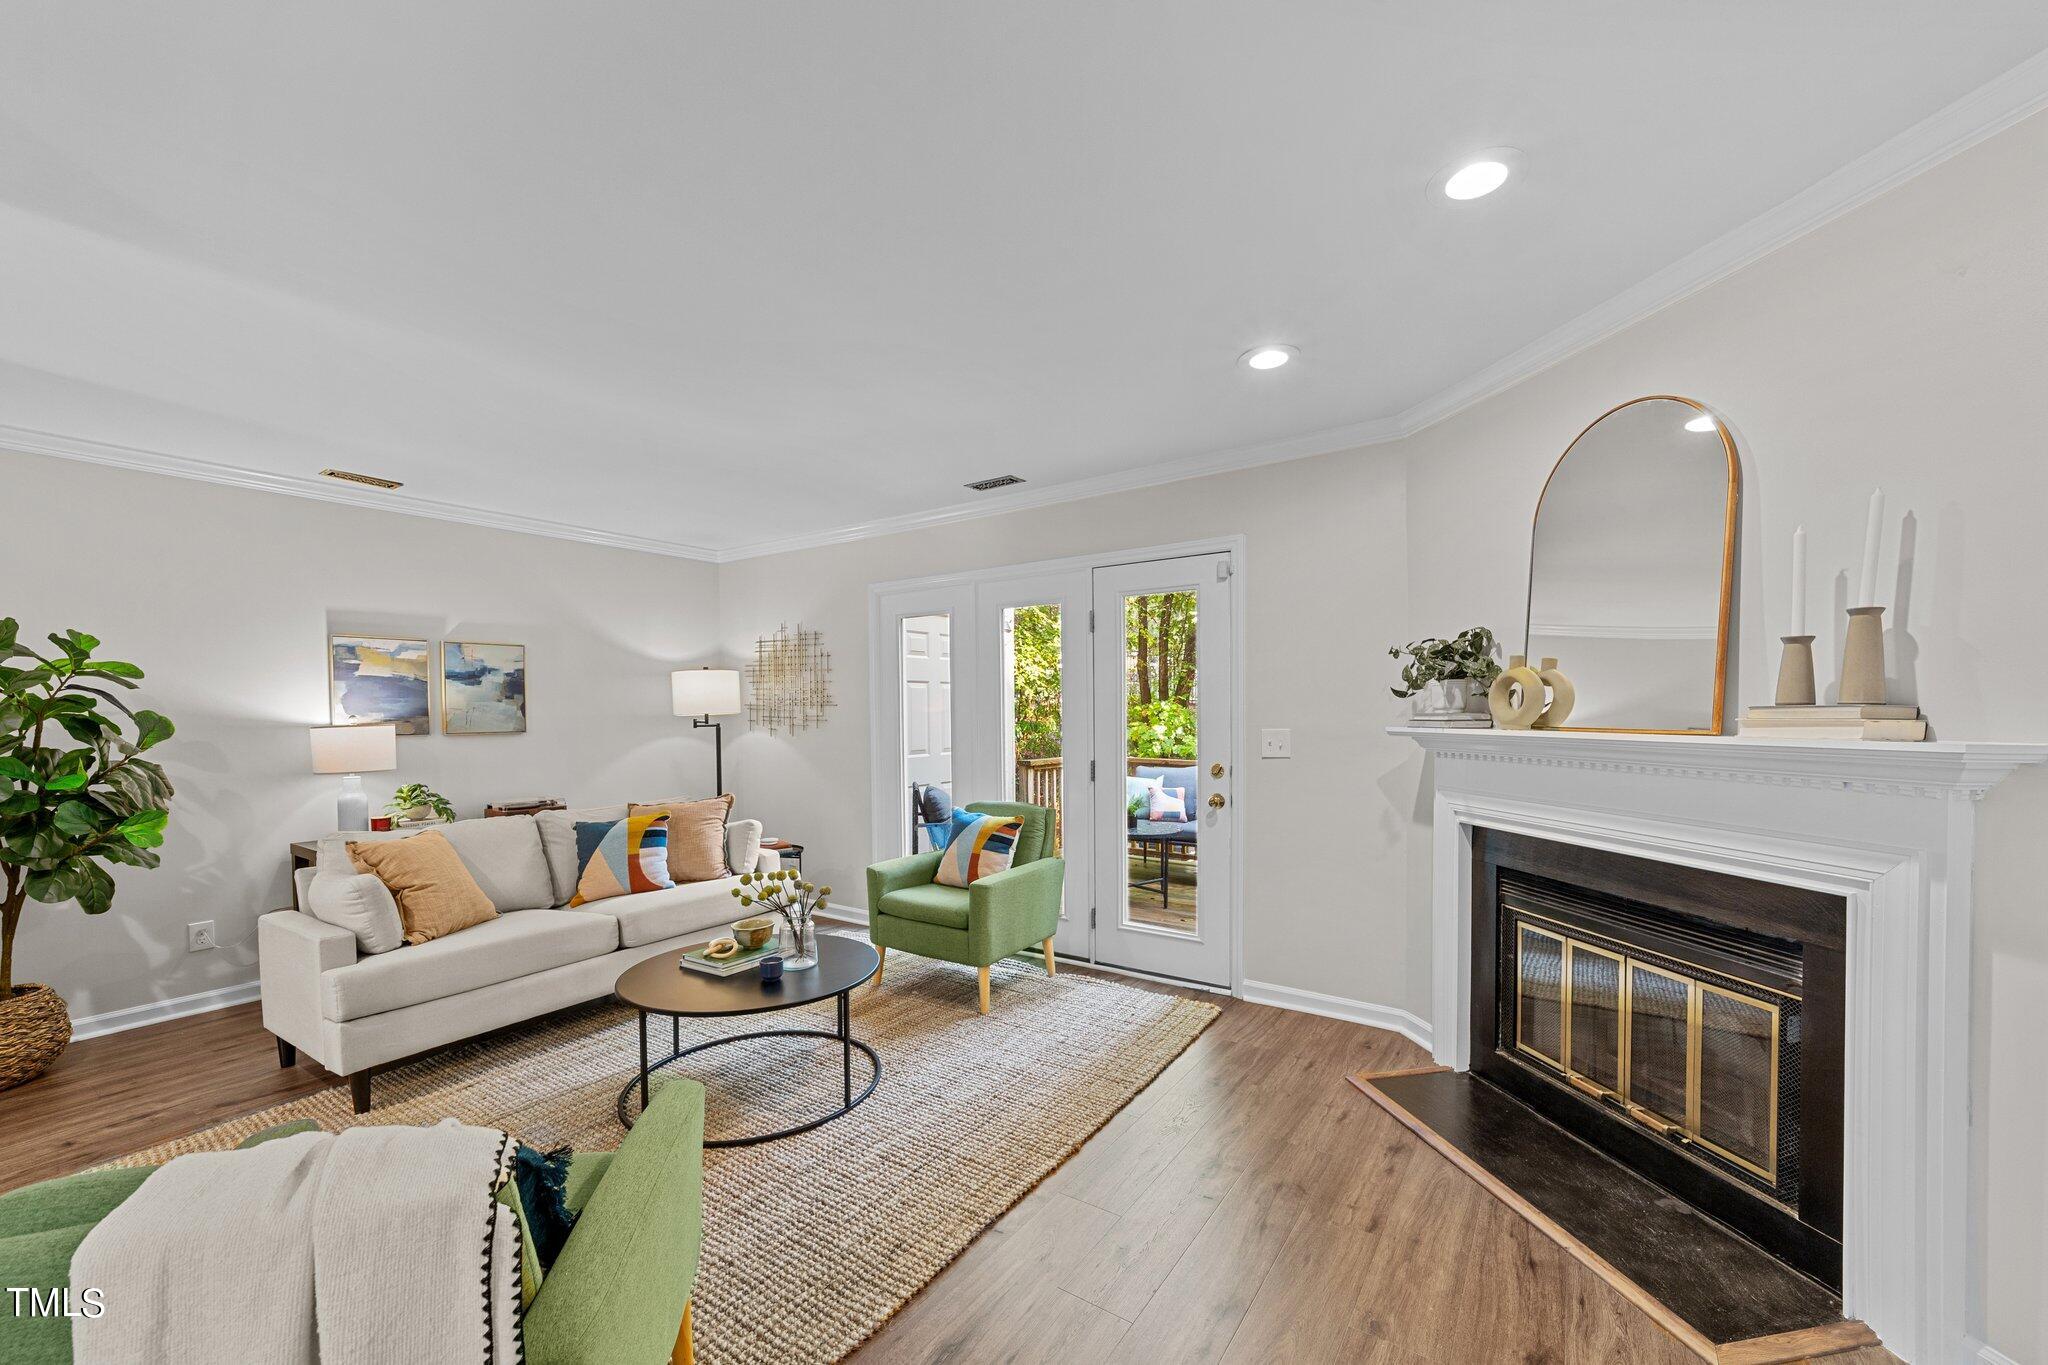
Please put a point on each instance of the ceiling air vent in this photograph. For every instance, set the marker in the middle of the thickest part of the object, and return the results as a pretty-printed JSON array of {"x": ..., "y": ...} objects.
[
  {"x": 370, "y": 480},
  {"x": 991, "y": 485}
]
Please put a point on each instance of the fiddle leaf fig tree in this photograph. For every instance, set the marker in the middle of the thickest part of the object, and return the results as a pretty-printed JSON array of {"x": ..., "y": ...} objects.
[{"x": 67, "y": 809}]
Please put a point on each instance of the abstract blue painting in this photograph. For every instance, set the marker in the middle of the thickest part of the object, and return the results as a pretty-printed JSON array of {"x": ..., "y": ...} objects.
[
  {"x": 374, "y": 681},
  {"x": 483, "y": 688}
]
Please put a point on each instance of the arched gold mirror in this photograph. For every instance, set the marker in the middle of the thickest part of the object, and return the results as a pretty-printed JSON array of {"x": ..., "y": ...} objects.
[{"x": 1632, "y": 566}]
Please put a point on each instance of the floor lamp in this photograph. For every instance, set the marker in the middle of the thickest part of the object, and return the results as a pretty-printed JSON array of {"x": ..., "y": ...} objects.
[{"x": 702, "y": 693}]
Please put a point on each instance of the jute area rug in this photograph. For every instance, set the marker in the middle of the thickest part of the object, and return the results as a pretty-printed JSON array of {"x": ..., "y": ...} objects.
[{"x": 812, "y": 1242}]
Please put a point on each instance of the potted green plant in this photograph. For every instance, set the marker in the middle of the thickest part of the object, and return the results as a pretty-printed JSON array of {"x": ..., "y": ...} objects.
[
  {"x": 418, "y": 804},
  {"x": 65, "y": 810},
  {"x": 1450, "y": 676}
]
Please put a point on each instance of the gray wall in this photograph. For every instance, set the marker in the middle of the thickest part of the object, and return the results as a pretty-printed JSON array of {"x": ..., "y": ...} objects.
[{"x": 225, "y": 598}]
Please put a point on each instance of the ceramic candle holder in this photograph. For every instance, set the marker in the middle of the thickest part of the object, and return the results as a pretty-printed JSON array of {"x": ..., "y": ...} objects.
[
  {"x": 1863, "y": 656},
  {"x": 1795, "y": 671}
]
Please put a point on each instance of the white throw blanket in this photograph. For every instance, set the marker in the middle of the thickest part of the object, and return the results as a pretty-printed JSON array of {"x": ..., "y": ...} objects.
[{"x": 372, "y": 1245}]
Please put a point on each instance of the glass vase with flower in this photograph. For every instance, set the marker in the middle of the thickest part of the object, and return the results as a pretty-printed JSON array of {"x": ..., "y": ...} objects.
[{"x": 795, "y": 902}]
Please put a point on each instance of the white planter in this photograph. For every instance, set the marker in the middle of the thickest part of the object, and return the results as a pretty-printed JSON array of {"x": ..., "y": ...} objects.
[{"x": 1451, "y": 697}]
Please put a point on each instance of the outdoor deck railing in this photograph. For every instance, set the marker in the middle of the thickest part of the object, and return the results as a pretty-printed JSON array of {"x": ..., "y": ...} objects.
[{"x": 1038, "y": 779}]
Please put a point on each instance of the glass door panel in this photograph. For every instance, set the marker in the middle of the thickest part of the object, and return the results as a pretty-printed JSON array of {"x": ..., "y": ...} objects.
[
  {"x": 1032, "y": 691},
  {"x": 1160, "y": 781}
]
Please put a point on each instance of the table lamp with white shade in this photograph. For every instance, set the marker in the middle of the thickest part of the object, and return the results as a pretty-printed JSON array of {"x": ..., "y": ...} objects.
[
  {"x": 703, "y": 693},
  {"x": 351, "y": 750}
]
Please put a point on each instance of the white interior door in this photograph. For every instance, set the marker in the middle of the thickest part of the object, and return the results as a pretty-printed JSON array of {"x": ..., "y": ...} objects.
[
  {"x": 920, "y": 679},
  {"x": 1164, "y": 668},
  {"x": 927, "y": 645}
]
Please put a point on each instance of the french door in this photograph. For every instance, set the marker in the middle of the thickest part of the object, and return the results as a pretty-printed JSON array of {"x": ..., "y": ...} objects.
[
  {"x": 1163, "y": 666},
  {"x": 1089, "y": 689}
]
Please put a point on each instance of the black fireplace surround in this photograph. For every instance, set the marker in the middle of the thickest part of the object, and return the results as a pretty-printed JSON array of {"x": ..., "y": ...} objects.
[{"x": 1686, "y": 1023}]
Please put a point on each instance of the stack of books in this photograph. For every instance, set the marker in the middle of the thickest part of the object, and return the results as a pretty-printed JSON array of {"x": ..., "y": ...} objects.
[
  {"x": 1843, "y": 721},
  {"x": 694, "y": 959},
  {"x": 1452, "y": 720}
]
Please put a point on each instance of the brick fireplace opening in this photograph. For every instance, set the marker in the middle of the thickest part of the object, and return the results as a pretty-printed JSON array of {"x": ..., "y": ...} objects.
[{"x": 1686, "y": 1023}]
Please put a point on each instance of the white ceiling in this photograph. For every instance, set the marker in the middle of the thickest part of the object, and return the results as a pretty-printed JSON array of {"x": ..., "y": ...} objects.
[{"x": 616, "y": 271}]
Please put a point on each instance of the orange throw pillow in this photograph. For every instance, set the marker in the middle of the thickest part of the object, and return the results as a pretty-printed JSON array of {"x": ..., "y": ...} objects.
[
  {"x": 696, "y": 836},
  {"x": 435, "y": 893}
]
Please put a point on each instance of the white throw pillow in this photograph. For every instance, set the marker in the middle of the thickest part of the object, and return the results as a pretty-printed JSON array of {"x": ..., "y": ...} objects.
[
  {"x": 359, "y": 903},
  {"x": 742, "y": 844}
]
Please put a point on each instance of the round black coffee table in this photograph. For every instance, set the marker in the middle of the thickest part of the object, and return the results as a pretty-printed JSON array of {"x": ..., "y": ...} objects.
[{"x": 660, "y": 985}]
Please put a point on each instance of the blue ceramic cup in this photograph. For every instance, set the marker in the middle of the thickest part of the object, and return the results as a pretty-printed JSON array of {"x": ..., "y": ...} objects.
[{"x": 771, "y": 969}]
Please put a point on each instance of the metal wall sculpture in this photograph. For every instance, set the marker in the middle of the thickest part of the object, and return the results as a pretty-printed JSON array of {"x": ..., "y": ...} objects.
[{"x": 789, "y": 680}]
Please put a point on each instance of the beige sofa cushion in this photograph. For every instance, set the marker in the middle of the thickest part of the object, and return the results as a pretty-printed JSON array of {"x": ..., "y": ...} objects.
[
  {"x": 558, "y": 843},
  {"x": 696, "y": 836},
  {"x": 359, "y": 903},
  {"x": 504, "y": 854},
  {"x": 500, "y": 949},
  {"x": 651, "y": 916}
]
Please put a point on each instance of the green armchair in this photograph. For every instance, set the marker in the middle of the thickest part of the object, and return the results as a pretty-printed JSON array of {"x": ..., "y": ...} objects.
[{"x": 978, "y": 924}]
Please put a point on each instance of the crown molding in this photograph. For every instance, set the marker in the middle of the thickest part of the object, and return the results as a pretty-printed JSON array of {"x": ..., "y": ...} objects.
[
  {"x": 1984, "y": 112},
  {"x": 206, "y": 471},
  {"x": 1073, "y": 490}
]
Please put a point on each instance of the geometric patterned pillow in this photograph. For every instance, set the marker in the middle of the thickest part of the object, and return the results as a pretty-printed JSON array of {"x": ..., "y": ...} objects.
[
  {"x": 982, "y": 849},
  {"x": 620, "y": 857},
  {"x": 1166, "y": 804}
]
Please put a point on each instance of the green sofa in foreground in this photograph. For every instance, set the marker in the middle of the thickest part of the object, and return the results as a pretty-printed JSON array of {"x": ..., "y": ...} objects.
[
  {"x": 979, "y": 924},
  {"x": 619, "y": 1290}
]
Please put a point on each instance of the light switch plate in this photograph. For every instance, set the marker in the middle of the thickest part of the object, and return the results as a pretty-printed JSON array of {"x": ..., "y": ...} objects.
[{"x": 1276, "y": 744}]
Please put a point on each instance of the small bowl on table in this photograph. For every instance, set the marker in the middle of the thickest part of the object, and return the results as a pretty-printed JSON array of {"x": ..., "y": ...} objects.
[{"x": 752, "y": 933}]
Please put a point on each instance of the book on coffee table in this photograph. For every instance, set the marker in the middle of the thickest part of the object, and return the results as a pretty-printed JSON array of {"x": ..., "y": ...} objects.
[{"x": 694, "y": 959}]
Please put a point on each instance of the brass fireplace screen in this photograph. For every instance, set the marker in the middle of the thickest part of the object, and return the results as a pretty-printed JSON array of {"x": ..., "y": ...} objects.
[{"x": 1693, "y": 1055}]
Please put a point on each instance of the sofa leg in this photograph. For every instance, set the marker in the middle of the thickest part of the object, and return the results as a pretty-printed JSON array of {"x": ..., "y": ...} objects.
[
  {"x": 287, "y": 1055},
  {"x": 685, "y": 1352},
  {"x": 881, "y": 961},
  {"x": 359, "y": 1091},
  {"x": 982, "y": 973},
  {"x": 1050, "y": 969}
]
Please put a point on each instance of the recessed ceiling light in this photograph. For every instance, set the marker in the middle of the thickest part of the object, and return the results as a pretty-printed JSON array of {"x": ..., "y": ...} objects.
[
  {"x": 1267, "y": 357},
  {"x": 1477, "y": 175},
  {"x": 1703, "y": 422},
  {"x": 1479, "y": 178}
]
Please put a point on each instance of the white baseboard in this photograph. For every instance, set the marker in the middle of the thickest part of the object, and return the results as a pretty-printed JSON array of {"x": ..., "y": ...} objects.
[
  {"x": 846, "y": 914},
  {"x": 156, "y": 1011},
  {"x": 1982, "y": 1353},
  {"x": 1364, "y": 1012}
]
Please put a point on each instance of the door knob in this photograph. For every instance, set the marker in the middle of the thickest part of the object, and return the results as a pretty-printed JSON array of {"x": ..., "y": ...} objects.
[
  {"x": 1215, "y": 770},
  {"x": 1216, "y": 801}
]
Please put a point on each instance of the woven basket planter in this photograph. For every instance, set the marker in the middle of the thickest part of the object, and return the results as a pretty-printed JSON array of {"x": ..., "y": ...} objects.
[{"x": 35, "y": 1028}]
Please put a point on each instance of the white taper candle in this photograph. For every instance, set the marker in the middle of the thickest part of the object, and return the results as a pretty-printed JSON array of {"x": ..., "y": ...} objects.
[
  {"x": 1866, "y": 595},
  {"x": 1798, "y": 581}
]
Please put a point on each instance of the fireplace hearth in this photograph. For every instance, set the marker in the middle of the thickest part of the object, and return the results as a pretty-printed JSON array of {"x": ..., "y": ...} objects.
[{"x": 1687, "y": 1024}]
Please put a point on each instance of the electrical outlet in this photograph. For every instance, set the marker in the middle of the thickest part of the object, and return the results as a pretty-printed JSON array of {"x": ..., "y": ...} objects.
[
  {"x": 1276, "y": 744},
  {"x": 199, "y": 936}
]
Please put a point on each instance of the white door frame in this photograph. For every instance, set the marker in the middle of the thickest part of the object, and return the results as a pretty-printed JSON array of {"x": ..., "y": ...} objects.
[{"x": 889, "y": 601}]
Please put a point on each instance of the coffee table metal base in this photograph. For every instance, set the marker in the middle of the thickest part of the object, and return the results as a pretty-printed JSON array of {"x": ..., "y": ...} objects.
[{"x": 843, "y": 1036}]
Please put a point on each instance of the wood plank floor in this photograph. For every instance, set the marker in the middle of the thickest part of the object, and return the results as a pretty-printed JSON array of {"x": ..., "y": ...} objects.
[{"x": 1249, "y": 1206}]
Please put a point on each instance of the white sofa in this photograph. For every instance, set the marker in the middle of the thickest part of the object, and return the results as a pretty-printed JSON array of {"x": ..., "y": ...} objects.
[{"x": 353, "y": 1011}]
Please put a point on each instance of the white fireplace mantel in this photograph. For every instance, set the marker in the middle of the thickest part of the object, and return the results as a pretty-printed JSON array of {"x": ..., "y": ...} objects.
[{"x": 1891, "y": 828}]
